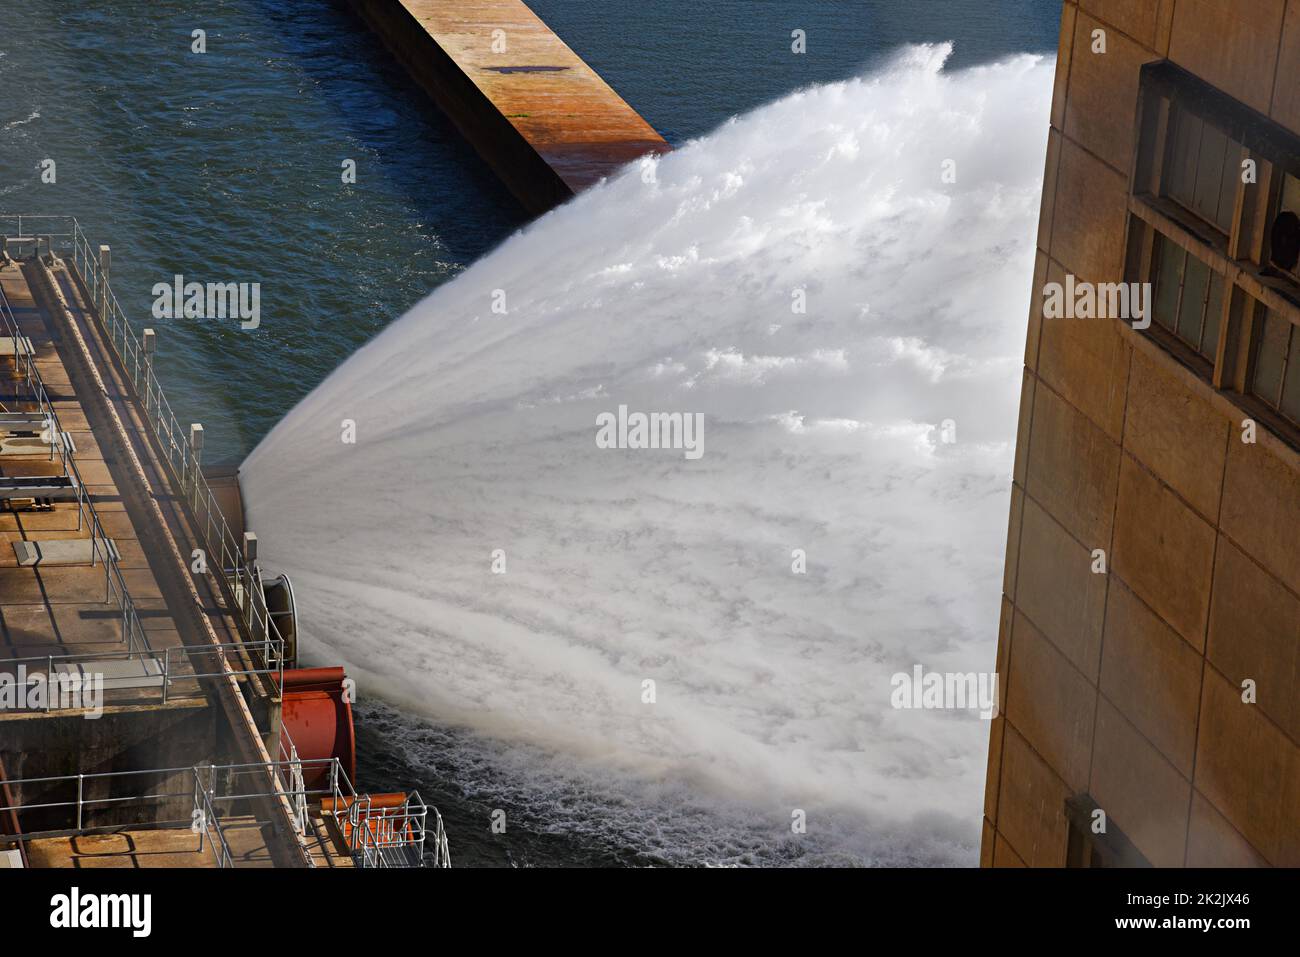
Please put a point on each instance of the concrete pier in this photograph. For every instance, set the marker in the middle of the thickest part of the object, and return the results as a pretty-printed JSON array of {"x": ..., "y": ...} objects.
[
  {"x": 541, "y": 117},
  {"x": 71, "y": 604}
]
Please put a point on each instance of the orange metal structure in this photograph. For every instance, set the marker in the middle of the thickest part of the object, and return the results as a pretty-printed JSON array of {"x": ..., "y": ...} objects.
[{"x": 317, "y": 713}]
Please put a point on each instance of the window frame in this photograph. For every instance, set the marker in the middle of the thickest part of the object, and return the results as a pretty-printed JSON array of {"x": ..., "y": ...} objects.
[
  {"x": 1252, "y": 286},
  {"x": 1086, "y": 849}
]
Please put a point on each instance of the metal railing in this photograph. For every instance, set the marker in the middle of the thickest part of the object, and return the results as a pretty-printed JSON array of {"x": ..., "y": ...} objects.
[
  {"x": 208, "y": 823},
  {"x": 133, "y": 634},
  {"x": 395, "y": 836},
  {"x": 203, "y": 820},
  {"x": 167, "y": 673},
  {"x": 296, "y": 783},
  {"x": 383, "y": 836},
  {"x": 43, "y": 228},
  {"x": 253, "y": 616},
  {"x": 216, "y": 795},
  {"x": 238, "y": 575}
]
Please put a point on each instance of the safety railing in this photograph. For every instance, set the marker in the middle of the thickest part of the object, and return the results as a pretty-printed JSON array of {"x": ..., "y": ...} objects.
[
  {"x": 67, "y": 678},
  {"x": 238, "y": 575},
  {"x": 217, "y": 538},
  {"x": 206, "y": 798},
  {"x": 180, "y": 799},
  {"x": 293, "y": 779},
  {"x": 385, "y": 836},
  {"x": 133, "y": 634},
  {"x": 203, "y": 798},
  {"x": 29, "y": 227},
  {"x": 207, "y": 822},
  {"x": 23, "y": 230},
  {"x": 395, "y": 836}
]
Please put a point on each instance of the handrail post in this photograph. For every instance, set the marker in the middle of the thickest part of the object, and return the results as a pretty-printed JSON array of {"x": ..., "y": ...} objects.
[
  {"x": 81, "y": 780},
  {"x": 203, "y": 831},
  {"x": 105, "y": 257},
  {"x": 196, "y": 451},
  {"x": 150, "y": 342},
  {"x": 250, "y": 578}
]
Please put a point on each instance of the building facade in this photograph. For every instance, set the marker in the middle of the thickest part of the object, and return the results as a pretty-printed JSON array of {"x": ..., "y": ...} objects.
[{"x": 1149, "y": 643}]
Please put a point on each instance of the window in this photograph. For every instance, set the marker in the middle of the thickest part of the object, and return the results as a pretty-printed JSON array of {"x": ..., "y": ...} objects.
[
  {"x": 1202, "y": 169},
  {"x": 1094, "y": 840},
  {"x": 1277, "y": 366},
  {"x": 1220, "y": 249},
  {"x": 1188, "y": 297}
]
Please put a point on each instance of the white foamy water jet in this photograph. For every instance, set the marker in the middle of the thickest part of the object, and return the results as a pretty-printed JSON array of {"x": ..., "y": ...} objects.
[{"x": 673, "y": 292}]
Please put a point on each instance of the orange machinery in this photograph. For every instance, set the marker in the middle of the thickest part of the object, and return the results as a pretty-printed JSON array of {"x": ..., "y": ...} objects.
[{"x": 317, "y": 713}]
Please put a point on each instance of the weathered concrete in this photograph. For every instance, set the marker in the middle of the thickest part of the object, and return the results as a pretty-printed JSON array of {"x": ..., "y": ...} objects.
[
  {"x": 541, "y": 117},
  {"x": 1124, "y": 683},
  {"x": 56, "y": 610}
]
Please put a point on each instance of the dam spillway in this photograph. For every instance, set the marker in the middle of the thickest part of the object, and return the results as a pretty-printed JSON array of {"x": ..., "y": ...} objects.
[{"x": 543, "y": 119}]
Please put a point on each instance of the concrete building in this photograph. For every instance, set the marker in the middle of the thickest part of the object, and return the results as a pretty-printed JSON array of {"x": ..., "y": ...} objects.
[{"x": 1149, "y": 643}]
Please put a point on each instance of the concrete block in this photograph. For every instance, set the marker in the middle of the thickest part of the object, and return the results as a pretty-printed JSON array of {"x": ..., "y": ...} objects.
[
  {"x": 1137, "y": 18},
  {"x": 994, "y": 769},
  {"x": 1058, "y": 590},
  {"x": 1261, "y": 509},
  {"x": 1255, "y": 633},
  {"x": 1152, "y": 676},
  {"x": 1031, "y": 808},
  {"x": 1064, "y": 50},
  {"x": 1286, "y": 86},
  {"x": 1051, "y": 168},
  {"x": 1178, "y": 436},
  {"x": 1004, "y": 855},
  {"x": 1141, "y": 792},
  {"x": 1231, "y": 45},
  {"x": 1104, "y": 90},
  {"x": 1164, "y": 26},
  {"x": 1028, "y": 385},
  {"x": 1073, "y": 467},
  {"x": 1087, "y": 362},
  {"x": 1164, "y": 552},
  {"x": 1089, "y": 215},
  {"x": 1013, "y": 542},
  {"x": 1051, "y": 704},
  {"x": 1035, "y": 311},
  {"x": 1248, "y": 769},
  {"x": 62, "y": 551},
  {"x": 1213, "y": 842}
]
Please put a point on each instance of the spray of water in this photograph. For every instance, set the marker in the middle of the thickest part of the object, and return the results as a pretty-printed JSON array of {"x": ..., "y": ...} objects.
[{"x": 677, "y": 287}]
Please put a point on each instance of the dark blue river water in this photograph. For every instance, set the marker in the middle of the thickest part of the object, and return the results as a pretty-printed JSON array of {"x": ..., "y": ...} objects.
[{"x": 225, "y": 166}]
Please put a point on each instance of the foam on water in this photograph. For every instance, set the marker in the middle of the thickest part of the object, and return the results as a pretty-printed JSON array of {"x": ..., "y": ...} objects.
[{"x": 670, "y": 289}]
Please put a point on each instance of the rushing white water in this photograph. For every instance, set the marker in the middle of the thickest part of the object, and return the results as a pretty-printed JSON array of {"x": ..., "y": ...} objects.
[{"x": 672, "y": 289}]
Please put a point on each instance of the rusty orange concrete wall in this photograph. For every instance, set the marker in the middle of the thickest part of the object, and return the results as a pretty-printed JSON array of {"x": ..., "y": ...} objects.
[
  {"x": 1126, "y": 686},
  {"x": 540, "y": 116}
]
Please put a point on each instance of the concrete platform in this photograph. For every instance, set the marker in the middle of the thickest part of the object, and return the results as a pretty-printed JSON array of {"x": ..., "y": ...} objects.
[
  {"x": 50, "y": 607},
  {"x": 142, "y": 847},
  {"x": 542, "y": 118},
  {"x": 176, "y": 847},
  {"x": 213, "y": 707},
  {"x": 69, "y": 551}
]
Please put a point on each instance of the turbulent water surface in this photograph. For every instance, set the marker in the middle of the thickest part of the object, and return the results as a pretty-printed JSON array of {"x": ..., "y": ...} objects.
[{"x": 836, "y": 283}]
